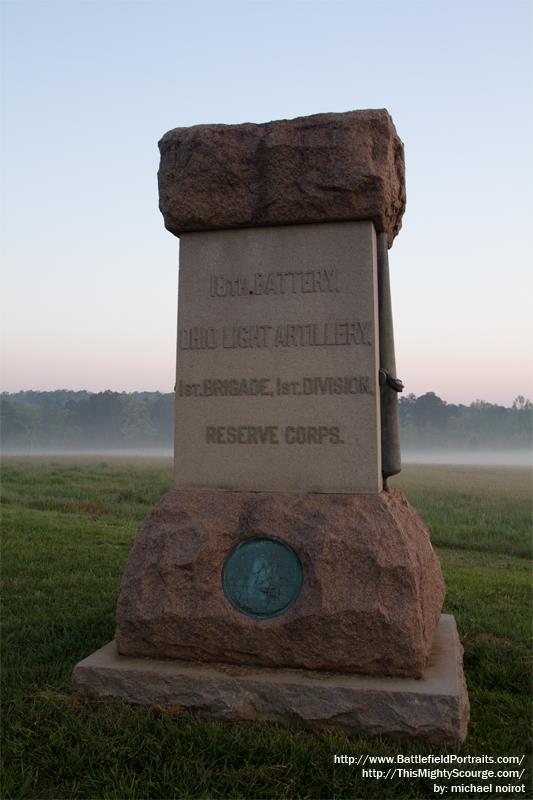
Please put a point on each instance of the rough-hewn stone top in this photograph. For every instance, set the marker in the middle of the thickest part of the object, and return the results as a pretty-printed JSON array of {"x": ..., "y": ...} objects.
[{"x": 322, "y": 168}]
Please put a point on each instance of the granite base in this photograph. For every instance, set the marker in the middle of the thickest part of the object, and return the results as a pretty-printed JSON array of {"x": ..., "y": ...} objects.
[{"x": 434, "y": 707}]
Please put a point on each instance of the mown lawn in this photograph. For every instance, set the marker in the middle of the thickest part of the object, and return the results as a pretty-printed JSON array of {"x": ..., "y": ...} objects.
[{"x": 68, "y": 524}]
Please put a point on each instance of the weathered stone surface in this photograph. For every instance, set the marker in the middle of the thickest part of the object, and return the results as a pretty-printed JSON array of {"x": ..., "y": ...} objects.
[
  {"x": 371, "y": 596},
  {"x": 435, "y": 707},
  {"x": 322, "y": 168}
]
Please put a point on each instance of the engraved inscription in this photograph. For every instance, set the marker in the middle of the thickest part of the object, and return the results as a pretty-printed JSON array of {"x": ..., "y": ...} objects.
[
  {"x": 271, "y": 387},
  {"x": 312, "y": 334},
  {"x": 227, "y": 387},
  {"x": 274, "y": 283},
  {"x": 242, "y": 434},
  {"x": 273, "y": 434},
  {"x": 277, "y": 360}
]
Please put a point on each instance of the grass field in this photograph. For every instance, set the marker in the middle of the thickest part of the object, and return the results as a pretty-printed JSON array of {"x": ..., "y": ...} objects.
[{"x": 68, "y": 525}]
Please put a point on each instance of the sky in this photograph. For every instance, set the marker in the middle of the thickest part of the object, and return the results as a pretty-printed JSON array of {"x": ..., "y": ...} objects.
[{"x": 89, "y": 273}]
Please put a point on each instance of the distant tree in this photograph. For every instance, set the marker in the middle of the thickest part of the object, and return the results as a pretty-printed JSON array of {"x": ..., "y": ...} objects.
[
  {"x": 479, "y": 404},
  {"x": 12, "y": 425},
  {"x": 20, "y": 424},
  {"x": 136, "y": 426},
  {"x": 430, "y": 411},
  {"x": 522, "y": 421},
  {"x": 162, "y": 410},
  {"x": 522, "y": 403},
  {"x": 96, "y": 419}
]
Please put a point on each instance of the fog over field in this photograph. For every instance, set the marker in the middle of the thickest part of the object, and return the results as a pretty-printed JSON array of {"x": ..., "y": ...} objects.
[
  {"x": 87, "y": 450},
  {"x": 432, "y": 431},
  {"x": 488, "y": 458}
]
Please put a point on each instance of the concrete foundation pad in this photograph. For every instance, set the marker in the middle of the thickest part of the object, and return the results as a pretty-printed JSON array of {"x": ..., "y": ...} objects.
[{"x": 435, "y": 707}]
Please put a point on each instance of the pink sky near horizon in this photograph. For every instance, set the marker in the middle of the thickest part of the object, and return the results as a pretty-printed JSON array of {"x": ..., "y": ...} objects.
[
  {"x": 90, "y": 274},
  {"x": 141, "y": 357}
]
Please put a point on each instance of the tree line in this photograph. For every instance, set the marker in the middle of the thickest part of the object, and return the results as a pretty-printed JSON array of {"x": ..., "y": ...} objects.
[
  {"x": 68, "y": 420},
  {"x": 428, "y": 422},
  {"x": 82, "y": 420}
]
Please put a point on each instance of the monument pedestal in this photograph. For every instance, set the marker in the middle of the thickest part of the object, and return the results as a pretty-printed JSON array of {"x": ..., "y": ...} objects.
[
  {"x": 354, "y": 643},
  {"x": 434, "y": 707},
  {"x": 340, "y": 582},
  {"x": 277, "y": 580}
]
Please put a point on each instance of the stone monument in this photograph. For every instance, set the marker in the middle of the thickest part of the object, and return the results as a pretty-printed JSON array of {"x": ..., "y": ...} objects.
[{"x": 281, "y": 578}]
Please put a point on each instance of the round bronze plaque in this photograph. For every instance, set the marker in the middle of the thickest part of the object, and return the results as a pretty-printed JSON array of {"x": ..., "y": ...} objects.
[{"x": 262, "y": 577}]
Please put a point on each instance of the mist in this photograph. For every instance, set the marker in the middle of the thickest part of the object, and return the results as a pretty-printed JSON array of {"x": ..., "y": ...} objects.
[
  {"x": 84, "y": 451},
  {"x": 141, "y": 424},
  {"x": 487, "y": 458}
]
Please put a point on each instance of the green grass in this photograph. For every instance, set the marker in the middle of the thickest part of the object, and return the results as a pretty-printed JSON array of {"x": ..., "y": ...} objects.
[
  {"x": 68, "y": 526},
  {"x": 472, "y": 508}
]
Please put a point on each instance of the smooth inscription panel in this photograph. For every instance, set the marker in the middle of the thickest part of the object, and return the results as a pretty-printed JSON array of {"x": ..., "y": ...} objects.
[{"x": 277, "y": 360}]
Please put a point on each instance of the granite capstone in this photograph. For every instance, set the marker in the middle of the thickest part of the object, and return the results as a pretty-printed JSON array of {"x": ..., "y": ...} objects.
[{"x": 332, "y": 167}]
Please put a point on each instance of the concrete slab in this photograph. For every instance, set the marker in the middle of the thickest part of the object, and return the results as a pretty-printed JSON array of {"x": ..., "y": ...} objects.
[{"x": 435, "y": 707}]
